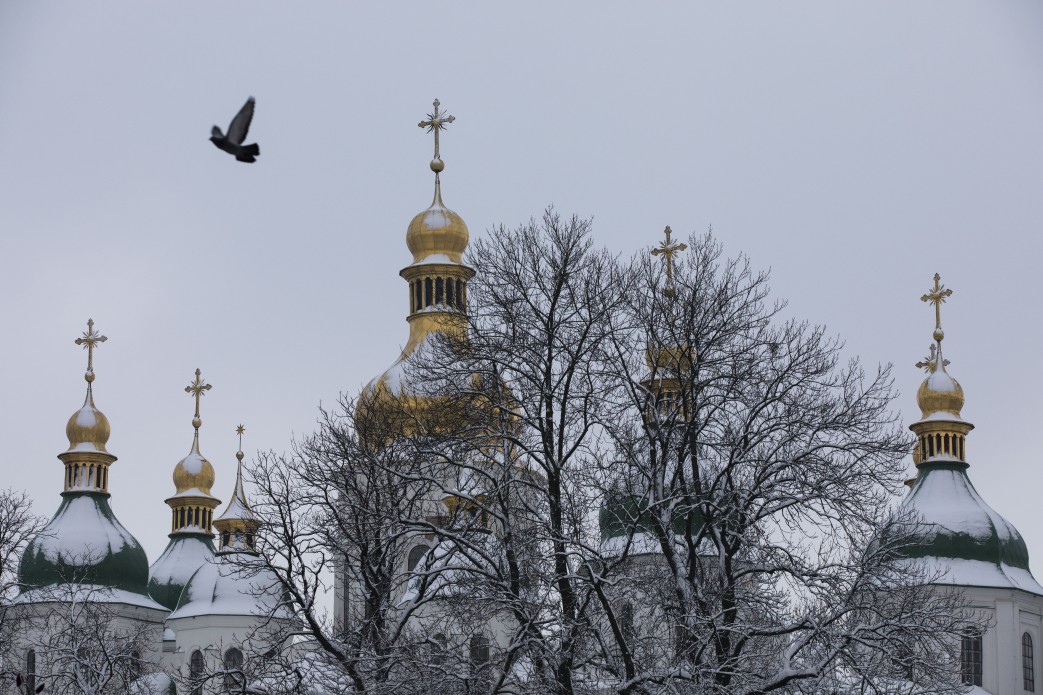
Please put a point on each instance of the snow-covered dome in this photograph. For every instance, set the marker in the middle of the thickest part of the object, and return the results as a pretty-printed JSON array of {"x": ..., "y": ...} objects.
[
  {"x": 963, "y": 540},
  {"x": 224, "y": 586},
  {"x": 85, "y": 543},
  {"x": 962, "y": 537},
  {"x": 88, "y": 428},
  {"x": 181, "y": 558},
  {"x": 437, "y": 238},
  {"x": 626, "y": 526}
]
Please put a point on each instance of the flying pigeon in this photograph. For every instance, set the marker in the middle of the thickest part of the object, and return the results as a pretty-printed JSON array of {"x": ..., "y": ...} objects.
[{"x": 233, "y": 142}]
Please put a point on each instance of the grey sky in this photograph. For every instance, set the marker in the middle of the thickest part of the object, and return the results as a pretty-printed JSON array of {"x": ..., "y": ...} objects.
[{"x": 854, "y": 149}]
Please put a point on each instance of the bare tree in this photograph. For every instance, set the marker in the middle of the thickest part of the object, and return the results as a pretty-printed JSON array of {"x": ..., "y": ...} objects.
[
  {"x": 762, "y": 468},
  {"x": 628, "y": 490},
  {"x": 18, "y": 526},
  {"x": 85, "y": 642}
]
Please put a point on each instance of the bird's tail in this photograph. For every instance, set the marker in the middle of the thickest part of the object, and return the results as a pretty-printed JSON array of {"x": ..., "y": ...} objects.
[{"x": 252, "y": 150}]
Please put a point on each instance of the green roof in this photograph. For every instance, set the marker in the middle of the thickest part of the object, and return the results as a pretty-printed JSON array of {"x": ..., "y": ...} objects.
[{"x": 85, "y": 543}]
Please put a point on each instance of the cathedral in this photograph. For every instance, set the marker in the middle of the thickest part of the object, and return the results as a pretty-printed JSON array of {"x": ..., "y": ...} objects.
[{"x": 195, "y": 614}]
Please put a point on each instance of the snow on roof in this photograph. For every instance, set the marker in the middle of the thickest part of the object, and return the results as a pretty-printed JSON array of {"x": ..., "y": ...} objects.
[
  {"x": 644, "y": 543},
  {"x": 946, "y": 499},
  {"x": 152, "y": 684},
  {"x": 979, "y": 573},
  {"x": 223, "y": 587},
  {"x": 84, "y": 592},
  {"x": 436, "y": 258},
  {"x": 82, "y": 535},
  {"x": 180, "y": 560}
]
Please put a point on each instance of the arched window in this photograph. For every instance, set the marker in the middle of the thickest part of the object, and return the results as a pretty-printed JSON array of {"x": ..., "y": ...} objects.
[
  {"x": 439, "y": 647},
  {"x": 195, "y": 670},
  {"x": 450, "y": 294},
  {"x": 233, "y": 669},
  {"x": 479, "y": 651},
  {"x": 415, "y": 553},
  {"x": 480, "y": 661},
  {"x": 134, "y": 665},
  {"x": 970, "y": 658},
  {"x": 418, "y": 302},
  {"x": 439, "y": 291},
  {"x": 1028, "y": 663},
  {"x": 626, "y": 622},
  {"x": 429, "y": 291},
  {"x": 30, "y": 671}
]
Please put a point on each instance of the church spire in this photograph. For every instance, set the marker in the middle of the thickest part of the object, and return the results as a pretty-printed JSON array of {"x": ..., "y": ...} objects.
[
  {"x": 192, "y": 504},
  {"x": 87, "y": 460},
  {"x": 941, "y": 431},
  {"x": 237, "y": 526},
  {"x": 665, "y": 361}
]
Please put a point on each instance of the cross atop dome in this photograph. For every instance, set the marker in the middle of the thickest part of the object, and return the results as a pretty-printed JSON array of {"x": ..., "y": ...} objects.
[
  {"x": 435, "y": 123},
  {"x": 197, "y": 388},
  {"x": 667, "y": 249},
  {"x": 90, "y": 339},
  {"x": 937, "y": 296}
]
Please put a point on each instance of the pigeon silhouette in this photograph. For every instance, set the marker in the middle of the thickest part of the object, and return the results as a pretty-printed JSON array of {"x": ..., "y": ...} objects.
[{"x": 237, "y": 129}]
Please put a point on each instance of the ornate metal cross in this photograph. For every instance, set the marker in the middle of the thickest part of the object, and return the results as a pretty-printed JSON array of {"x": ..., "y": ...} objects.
[
  {"x": 197, "y": 388},
  {"x": 937, "y": 296},
  {"x": 239, "y": 430},
  {"x": 667, "y": 250},
  {"x": 436, "y": 121},
  {"x": 931, "y": 363},
  {"x": 90, "y": 338}
]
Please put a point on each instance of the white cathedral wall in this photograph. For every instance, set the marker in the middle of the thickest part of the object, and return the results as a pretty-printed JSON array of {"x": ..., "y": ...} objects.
[
  {"x": 1009, "y": 613},
  {"x": 31, "y": 620},
  {"x": 212, "y": 635}
]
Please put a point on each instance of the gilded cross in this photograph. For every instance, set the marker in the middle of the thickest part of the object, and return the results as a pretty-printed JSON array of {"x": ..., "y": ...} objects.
[
  {"x": 667, "y": 249},
  {"x": 197, "y": 388},
  {"x": 436, "y": 121},
  {"x": 937, "y": 296},
  {"x": 239, "y": 430},
  {"x": 930, "y": 364},
  {"x": 90, "y": 338}
]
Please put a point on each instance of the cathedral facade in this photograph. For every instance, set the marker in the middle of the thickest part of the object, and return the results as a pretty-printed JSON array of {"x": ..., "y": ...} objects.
[{"x": 195, "y": 613}]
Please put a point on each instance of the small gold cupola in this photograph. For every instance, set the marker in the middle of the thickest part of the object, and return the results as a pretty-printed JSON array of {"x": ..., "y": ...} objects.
[
  {"x": 237, "y": 526},
  {"x": 666, "y": 362},
  {"x": 437, "y": 238},
  {"x": 941, "y": 431},
  {"x": 87, "y": 460},
  {"x": 192, "y": 504}
]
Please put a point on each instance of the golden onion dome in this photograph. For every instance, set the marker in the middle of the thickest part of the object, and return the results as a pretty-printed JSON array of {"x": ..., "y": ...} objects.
[
  {"x": 940, "y": 393},
  {"x": 194, "y": 472},
  {"x": 437, "y": 231},
  {"x": 88, "y": 428}
]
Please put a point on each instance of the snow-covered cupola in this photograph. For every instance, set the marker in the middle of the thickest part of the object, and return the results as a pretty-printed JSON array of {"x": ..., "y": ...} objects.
[
  {"x": 966, "y": 542},
  {"x": 84, "y": 543}
]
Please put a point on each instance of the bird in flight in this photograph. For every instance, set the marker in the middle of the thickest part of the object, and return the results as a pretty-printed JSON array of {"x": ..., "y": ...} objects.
[{"x": 237, "y": 129}]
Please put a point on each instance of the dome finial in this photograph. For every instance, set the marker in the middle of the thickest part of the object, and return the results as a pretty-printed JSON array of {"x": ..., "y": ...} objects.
[
  {"x": 197, "y": 388},
  {"x": 939, "y": 393},
  {"x": 90, "y": 339},
  {"x": 88, "y": 428},
  {"x": 435, "y": 123},
  {"x": 937, "y": 296},
  {"x": 668, "y": 250}
]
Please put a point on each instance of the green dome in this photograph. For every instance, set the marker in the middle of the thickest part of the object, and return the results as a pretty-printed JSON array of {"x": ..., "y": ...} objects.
[
  {"x": 961, "y": 537},
  {"x": 170, "y": 573},
  {"x": 625, "y": 513},
  {"x": 85, "y": 543}
]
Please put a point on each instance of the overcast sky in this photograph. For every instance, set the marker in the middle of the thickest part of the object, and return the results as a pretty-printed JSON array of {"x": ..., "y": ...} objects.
[{"x": 854, "y": 150}]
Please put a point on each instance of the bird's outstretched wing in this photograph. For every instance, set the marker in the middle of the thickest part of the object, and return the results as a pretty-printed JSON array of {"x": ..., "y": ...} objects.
[{"x": 239, "y": 126}]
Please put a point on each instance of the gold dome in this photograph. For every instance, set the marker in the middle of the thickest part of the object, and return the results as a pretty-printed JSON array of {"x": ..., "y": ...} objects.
[
  {"x": 194, "y": 472},
  {"x": 940, "y": 393},
  {"x": 88, "y": 428},
  {"x": 437, "y": 231}
]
